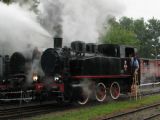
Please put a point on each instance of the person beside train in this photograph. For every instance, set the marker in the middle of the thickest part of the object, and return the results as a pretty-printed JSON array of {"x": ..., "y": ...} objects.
[
  {"x": 134, "y": 65},
  {"x": 135, "y": 88}
]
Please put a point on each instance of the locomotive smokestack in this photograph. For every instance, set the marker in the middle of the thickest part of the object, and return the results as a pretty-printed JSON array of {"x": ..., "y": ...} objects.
[{"x": 58, "y": 42}]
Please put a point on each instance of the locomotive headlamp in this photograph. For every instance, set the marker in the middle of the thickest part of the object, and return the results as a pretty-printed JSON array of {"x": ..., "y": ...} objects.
[
  {"x": 57, "y": 78},
  {"x": 3, "y": 81},
  {"x": 35, "y": 77}
]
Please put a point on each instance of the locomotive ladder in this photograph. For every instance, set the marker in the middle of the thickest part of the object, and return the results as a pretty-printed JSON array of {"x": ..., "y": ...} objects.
[{"x": 135, "y": 88}]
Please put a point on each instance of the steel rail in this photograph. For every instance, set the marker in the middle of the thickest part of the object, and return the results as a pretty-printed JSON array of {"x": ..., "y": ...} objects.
[
  {"x": 28, "y": 111},
  {"x": 152, "y": 116},
  {"x": 133, "y": 111}
]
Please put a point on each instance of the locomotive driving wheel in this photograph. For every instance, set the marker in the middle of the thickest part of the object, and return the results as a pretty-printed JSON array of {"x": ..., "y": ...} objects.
[
  {"x": 100, "y": 92},
  {"x": 84, "y": 97},
  {"x": 115, "y": 90}
]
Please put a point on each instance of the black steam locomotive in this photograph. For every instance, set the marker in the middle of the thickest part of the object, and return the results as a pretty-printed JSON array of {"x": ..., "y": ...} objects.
[
  {"x": 80, "y": 72},
  {"x": 86, "y": 71},
  {"x": 75, "y": 73},
  {"x": 18, "y": 80}
]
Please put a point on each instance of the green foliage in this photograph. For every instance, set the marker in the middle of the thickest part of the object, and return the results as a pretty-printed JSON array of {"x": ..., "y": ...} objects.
[
  {"x": 139, "y": 28},
  {"x": 144, "y": 35},
  {"x": 141, "y": 33},
  {"x": 153, "y": 34},
  {"x": 119, "y": 34},
  {"x": 127, "y": 23},
  {"x": 7, "y": 1}
]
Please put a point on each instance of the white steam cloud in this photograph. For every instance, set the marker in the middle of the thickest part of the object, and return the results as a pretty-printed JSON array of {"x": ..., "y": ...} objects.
[
  {"x": 19, "y": 28},
  {"x": 51, "y": 16},
  {"x": 71, "y": 19},
  {"x": 84, "y": 19},
  {"x": 21, "y": 24},
  {"x": 78, "y": 19}
]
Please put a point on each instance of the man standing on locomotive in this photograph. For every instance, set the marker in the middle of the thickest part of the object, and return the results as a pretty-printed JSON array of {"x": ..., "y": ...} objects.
[
  {"x": 134, "y": 70},
  {"x": 134, "y": 65}
]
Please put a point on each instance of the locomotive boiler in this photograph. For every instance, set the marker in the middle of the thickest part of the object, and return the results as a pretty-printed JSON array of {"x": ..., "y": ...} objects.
[{"x": 86, "y": 71}]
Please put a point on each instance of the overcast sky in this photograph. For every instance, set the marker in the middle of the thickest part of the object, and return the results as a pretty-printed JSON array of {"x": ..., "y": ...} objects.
[{"x": 142, "y": 8}]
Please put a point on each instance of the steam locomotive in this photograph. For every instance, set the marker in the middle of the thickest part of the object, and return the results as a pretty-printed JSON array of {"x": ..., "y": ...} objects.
[
  {"x": 91, "y": 71},
  {"x": 87, "y": 71},
  {"x": 18, "y": 80},
  {"x": 78, "y": 73}
]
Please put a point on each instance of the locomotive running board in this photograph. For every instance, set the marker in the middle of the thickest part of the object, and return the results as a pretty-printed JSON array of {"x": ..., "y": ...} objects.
[
  {"x": 100, "y": 76},
  {"x": 16, "y": 92},
  {"x": 16, "y": 99}
]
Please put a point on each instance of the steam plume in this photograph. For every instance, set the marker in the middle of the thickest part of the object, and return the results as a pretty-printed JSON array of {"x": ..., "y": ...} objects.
[
  {"x": 77, "y": 19},
  {"x": 19, "y": 28},
  {"x": 51, "y": 16},
  {"x": 84, "y": 19}
]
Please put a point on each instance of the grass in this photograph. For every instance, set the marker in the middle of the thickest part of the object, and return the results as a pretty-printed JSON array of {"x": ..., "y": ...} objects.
[{"x": 93, "y": 112}]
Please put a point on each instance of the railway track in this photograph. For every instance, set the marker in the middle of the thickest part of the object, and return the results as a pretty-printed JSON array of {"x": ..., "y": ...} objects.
[
  {"x": 24, "y": 111},
  {"x": 144, "y": 113},
  {"x": 153, "y": 117},
  {"x": 28, "y": 111}
]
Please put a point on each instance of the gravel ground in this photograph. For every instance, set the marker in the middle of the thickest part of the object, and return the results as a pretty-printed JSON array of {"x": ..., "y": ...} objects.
[{"x": 156, "y": 118}]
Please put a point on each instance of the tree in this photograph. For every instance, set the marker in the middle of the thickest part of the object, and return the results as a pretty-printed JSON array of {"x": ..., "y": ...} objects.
[
  {"x": 30, "y": 4},
  {"x": 127, "y": 23},
  {"x": 119, "y": 34},
  {"x": 6, "y": 1},
  {"x": 141, "y": 33},
  {"x": 153, "y": 34},
  {"x": 144, "y": 35}
]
